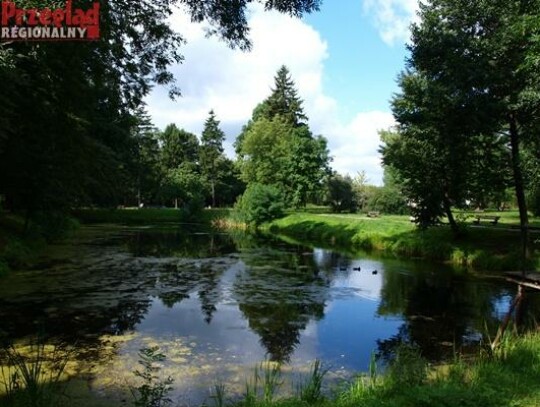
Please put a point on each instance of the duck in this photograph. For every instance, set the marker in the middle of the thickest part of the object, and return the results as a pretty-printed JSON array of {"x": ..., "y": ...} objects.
[
  {"x": 374, "y": 272},
  {"x": 357, "y": 268}
]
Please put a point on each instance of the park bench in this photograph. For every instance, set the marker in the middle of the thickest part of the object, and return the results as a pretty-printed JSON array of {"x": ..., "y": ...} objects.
[
  {"x": 491, "y": 218},
  {"x": 373, "y": 214}
]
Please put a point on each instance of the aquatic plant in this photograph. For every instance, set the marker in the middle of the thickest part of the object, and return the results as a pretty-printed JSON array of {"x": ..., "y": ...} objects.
[
  {"x": 33, "y": 375},
  {"x": 153, "y": 392},
  {"x": 311, "y": 391}
]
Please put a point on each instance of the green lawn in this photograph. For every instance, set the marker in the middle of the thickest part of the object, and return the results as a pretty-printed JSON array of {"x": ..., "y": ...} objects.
[
  {"x": 146, "y": 216},
  {"x": 483, "y": 248}
]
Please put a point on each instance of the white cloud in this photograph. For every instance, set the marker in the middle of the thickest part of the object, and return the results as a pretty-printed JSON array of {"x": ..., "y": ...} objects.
[
  {"x": 233, "y": 83},
  {"x": 392, "y": 18},
  {"x": 355, "y": 145}
]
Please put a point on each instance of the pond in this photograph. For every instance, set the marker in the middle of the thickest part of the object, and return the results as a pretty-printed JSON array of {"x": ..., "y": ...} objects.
[{"x": 217, "y": 304}]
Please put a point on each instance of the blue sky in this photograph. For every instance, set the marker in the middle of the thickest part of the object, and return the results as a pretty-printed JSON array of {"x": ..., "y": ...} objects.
[
  {"x": 344, "y": 60},
  {"x": 361, "y": 68}
]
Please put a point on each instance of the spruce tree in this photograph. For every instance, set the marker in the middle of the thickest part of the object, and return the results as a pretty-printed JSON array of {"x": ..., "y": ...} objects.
[{"x": 211, "y": 152}]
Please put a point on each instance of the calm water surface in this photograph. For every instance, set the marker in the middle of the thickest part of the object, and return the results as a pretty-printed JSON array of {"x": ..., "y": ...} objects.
[{"x": 217, "y": 304}]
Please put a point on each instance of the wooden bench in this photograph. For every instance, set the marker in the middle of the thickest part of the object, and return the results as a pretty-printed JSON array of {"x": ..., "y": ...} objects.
[
  {"x": 491, "y": 218},
  {"x": 373, "y": 214}
]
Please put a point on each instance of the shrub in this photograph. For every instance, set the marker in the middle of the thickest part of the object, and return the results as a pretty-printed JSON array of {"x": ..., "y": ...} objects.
[
  {"x": 4, "y": 268},
  {"x": 260, "y": 203}
]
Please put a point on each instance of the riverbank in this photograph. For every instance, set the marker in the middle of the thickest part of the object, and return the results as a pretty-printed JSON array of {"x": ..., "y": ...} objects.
[
  {"x": 21, "y": 245},
  {"x": 483, "y": 248},
  {"x": 147, "y": 216},
  {"x": 508, "y": 376}
]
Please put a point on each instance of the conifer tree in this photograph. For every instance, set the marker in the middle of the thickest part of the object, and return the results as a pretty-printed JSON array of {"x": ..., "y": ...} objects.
[{"x": 211, "y": 152}]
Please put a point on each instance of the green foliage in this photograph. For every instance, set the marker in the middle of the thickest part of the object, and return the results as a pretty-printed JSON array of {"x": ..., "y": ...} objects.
[
  {"x": 211, "y": 152},
  {"x": 475, "y": 89},
  {"x": 408, "y": 368},
  {"x": 185, "y": 187},
  {"x": 52, "y": 225},
  {"x": 229, "y": 185},
  {"x": 218, "y": 395},
  {"x": 277, "y": 148},
  {"x": 154, "y": 392},
  {"x": 179, "y": 147},
  {"x": 284, "y": 101},
  {"x": 17, "y": 253},
  {"x": 73, "y": 131},
  {"x": 34, "y": 378},
  {"x": 259, "y": 204},
  {"x": 481, "y": 249},
  {"x": 311, "y": 391},
  {"x": 264, "y": 152},
  {"x": 262, "y": 386},
  {"x": 4, "y": 268},
  {"x": 340, "y": 194}
]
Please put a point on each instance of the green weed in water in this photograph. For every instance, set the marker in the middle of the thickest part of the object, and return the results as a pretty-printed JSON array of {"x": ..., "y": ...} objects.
[
  {"x": 311, "y": 391},
  {"x": 154, "y": 392},
  {"x": 218, "y": 395},
  {"x": 33, "y": 377}
]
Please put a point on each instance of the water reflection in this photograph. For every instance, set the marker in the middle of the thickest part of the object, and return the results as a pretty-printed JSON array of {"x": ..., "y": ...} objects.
[{"x": 233, "y": 300}]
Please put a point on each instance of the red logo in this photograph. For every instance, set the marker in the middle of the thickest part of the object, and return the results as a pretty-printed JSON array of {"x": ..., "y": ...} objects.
[{"x": 62, "y": 24}]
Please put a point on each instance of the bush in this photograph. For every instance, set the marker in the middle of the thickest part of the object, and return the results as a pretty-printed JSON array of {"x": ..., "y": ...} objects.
[
  {"x": 17, "y": 254},
  {"x": 54, "y": 225},
  {"x": 4, "y": 268},
  {"x": 260, "y": 203}
]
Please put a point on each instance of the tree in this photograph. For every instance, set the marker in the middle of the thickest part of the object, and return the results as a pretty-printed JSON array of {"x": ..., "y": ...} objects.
[
  {"x": 68, "y": 118},
  {"x": 264, "y": 152},
  {"x": 277, "y": 147},
  {"x": 211, "y": 152},
  {"x": 340, "y": 194},
  {"x": 306, "y": 166},
  {"x": 484, "y": 52},
  {"x": 178, "y": 147},
  {"x": 147, "y": 170},
  {"x": 229, "y": 186},
  {"x": 184, "y": 186},
  {"x": 284, "y": 100},
  {"x": 259, "y": 204},
  {"x": 361, "y": 189}
]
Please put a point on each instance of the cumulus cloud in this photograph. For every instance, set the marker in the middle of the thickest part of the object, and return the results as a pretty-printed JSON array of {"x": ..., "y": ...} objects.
[
  {"x": 355, "y": 144},
  {"x": 392, "y": 18},
  {"x": 233, "y": 82}
]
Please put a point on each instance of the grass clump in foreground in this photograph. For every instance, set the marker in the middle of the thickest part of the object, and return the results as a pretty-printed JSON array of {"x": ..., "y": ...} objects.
[
  {"x": 478, "y": 248},
  {"x": 508, "y": 377}
]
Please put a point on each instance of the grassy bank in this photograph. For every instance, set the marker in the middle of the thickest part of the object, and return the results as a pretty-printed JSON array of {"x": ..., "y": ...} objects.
[
  {"x": 18, "y": 247},
  {"x": 147, "y": 216},
  {"x": 507, "y": 377},
  {"x": 481, "y": 248}
]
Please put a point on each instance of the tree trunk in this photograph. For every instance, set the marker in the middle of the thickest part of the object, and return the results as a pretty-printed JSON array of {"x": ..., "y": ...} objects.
[
  {"x": 448, "y": 210},
  {"x": 213, "y": 194},
  {"x": 520, "y": 192}
]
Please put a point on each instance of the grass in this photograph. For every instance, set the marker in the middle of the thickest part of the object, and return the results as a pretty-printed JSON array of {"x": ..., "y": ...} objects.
[
  {"x": 18, "y": 249},
  {"x": 480, "y": 248},
  {"x": 146, "y": 216},
  {"x": 508, "y": 377},
  {"x": 33, "y": 377}
]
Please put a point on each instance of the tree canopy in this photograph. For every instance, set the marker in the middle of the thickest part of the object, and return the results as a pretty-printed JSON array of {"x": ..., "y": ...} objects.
[{"x": 470, "y": 100}]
